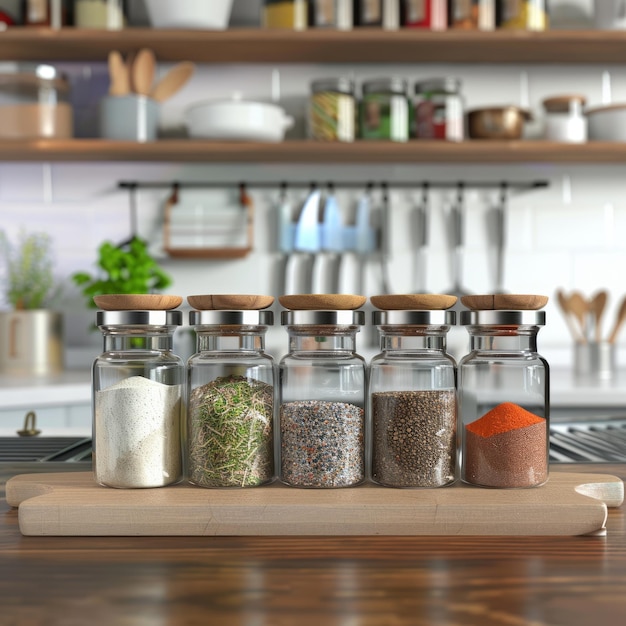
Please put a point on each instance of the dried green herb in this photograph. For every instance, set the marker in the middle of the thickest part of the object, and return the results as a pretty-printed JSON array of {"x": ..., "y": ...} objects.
[{"x": 231, "y": 433}]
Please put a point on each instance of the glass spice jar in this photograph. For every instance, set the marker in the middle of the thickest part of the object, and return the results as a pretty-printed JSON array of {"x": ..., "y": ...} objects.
[
  {"x": 322, "y": 400},
  {"x": 472, "y": 14},
  {"x": 439, "y": 110},
  {"x": 384, "y": 110},
  {"x": 332, "y": 110},
  {"x": 331, "y": 14},
  {"x": 138, "y": 387},
  {"x": 504, "y": 400},
  {"x": 106, "y": 14},
  {"x": 230, "y": 412},
  {"x": 288, "y": 14},
  {"x": 523, "y": 15},
  {"x": 412, "y": 400},
  {"x": 425, "y": 14}
]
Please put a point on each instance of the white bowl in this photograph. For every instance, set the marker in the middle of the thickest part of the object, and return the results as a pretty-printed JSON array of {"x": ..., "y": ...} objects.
[
  {"x": 196, "y": 14},
  {"x": 239, "y": 120},
  {"x": 607, "y": 123}
]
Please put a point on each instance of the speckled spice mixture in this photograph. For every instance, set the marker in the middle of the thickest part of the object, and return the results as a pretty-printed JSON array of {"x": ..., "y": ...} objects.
[
  {"x": 322, "y": 444},
  {"x": 414, "y": 438}
]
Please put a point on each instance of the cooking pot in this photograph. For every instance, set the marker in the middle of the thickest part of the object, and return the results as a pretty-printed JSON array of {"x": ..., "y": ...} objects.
[
  {"x": 506, "y": 122},
  {"x": 607, "y": 123},
  {"x": 238, "y": 119}
]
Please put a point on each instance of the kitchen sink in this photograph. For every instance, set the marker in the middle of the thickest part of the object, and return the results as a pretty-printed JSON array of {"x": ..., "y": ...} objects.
[{"x": 572, "y": 441}]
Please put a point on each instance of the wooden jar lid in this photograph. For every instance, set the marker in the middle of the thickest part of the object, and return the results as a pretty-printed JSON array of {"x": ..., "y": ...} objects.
[
  {"x": 137, "y": 302},
  {"x": 505, "y": 302},
  {"x": 230, "y": 302},
  {"x": 322, "y": 302},
  {"x": 414, "y": 302}
]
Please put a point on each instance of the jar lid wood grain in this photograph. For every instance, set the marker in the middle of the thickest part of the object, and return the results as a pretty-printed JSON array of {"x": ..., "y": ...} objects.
[
  {"x": 137, "y": 302},
  {"x": 322, "y": 302},
  {"x": 505, "y": 302},
  {"x": 561, "y": 104},
  {"x": 414, "y": 302},
  {"x": 230, "y": 302}
]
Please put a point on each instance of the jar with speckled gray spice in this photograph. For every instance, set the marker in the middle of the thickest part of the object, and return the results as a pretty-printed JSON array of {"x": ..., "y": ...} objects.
[
  {"x": 322, "y": 400},
  {"x": 412, "y": 400}
]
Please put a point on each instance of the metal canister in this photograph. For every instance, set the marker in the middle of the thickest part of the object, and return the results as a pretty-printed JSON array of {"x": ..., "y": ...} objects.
[
  {"x": 384, "y": 110},
  {"x": 439, "y": 110},
  {"x": 332, "y": 110}
]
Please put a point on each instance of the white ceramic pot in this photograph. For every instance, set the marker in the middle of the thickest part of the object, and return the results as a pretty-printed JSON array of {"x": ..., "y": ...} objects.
[
  {"x": 238, "y": 120},
  {"x": 196, "y": 14},
  {"x": 607, "y": 123},
  {"x": 565, "y": 120}
]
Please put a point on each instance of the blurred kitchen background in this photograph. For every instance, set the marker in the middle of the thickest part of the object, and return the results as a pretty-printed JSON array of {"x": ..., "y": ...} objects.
[{"x": 567, "y": 235}]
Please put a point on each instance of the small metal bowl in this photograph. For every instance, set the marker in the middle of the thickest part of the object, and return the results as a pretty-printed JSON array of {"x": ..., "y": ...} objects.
[{"x": 497, "y": 122}]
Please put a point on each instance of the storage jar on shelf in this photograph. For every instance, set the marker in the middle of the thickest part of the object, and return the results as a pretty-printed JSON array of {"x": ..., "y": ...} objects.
[
  {"x": 439, "y": 110},
  {"x": 287, "y": 14},
  {"x": 336, "y": 14},
  {"x": 138, "y": 385},
  {"x": 412, "y": 400},
  {"x": 565, "y": 119},
  {"x": 105, "y": 14},
  {"x": 472, "y": 14},
  {"x": 332, "y": 110},
  {"x": 523, "y": 15},
  {"x": 322, "y": 400},
  {"x": 504, "y": 400},
  {"x": 384, "y": 110},
  {"x": 424, "y": 14},
  {"x": 230, "y": 413}
]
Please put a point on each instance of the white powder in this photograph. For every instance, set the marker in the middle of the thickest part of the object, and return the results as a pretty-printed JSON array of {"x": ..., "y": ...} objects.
[{"x": 137, "y": 434}]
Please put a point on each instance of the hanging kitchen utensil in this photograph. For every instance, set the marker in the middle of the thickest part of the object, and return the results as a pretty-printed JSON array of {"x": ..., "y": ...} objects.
[
  {"x": 421, "y": 220},
  {"x": 285, "y": 237},
  {"x": 364, "y": 237},
  {"x": 496, "y": 222},
  {"x": 178, "y": 227},
  {"x": 456, "y": 226},
  {"x": 326, "y": 269},
  {"x": 173, "y": 81},
  {"x": 307, "y": 242},
  {"x": 384, "y": 241}
]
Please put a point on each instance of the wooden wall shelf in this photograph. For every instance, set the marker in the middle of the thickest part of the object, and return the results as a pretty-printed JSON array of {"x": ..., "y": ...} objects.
[
  {"x": 318, "y": 46},
  {"x": 199, "y": 151}
]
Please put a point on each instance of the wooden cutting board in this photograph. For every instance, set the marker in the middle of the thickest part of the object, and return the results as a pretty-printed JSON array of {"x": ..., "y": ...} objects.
[{"x": 72, "y": 504}]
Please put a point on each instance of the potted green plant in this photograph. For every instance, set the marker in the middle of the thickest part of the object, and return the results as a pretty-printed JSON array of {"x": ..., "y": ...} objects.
[
  {"x": 124, "y": 269},
  {"x": 31, "y": 332}
]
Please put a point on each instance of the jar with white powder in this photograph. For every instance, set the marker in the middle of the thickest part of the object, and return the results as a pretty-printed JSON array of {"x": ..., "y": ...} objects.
[{"x": 138, "y": 385}]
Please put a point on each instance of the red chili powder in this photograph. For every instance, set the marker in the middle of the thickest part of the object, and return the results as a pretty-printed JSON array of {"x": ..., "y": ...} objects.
[{"x": 503, "y": 418}]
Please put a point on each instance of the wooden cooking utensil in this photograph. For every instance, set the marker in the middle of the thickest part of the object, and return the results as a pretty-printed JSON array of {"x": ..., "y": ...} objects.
[
  {"x": 597, "y": 306},
  {"x": 564, "y": 303},
  {"x": 143, "y": 72},
  {"x": 619, "y": 320},
  {"x": 173, "y": 81},
  {"x": 579, "y": 306},
  {"x": 118, "y": 73}
]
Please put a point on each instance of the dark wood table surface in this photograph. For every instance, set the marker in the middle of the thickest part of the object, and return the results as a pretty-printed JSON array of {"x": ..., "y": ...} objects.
[{"x": 301, "y": 581}]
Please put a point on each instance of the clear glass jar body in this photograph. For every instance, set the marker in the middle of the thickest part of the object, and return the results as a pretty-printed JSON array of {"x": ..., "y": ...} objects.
[
  {"x": 424, "y": 14},
  {"x": 106, "y": 14},
  {"x": 332, "y": 110},
  {"x": 322, "y": 401},
  {"x": 230, "y": 413},
  {"x": 412, "y": 407},
  {"x": 439, "y": 110},
  {"x": 138, "y": 385},
  {"x": 504, "y": 402},
  {"x": 384, "y": 110}
]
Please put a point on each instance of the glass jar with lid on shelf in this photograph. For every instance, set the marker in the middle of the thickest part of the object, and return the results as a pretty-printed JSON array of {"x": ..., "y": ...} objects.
[
  {"x": 439, "y": 110},
  {"x": 332, "y": 110},
  {"x": 384, "y": 110},
  {"x": 288, "y": 14},
  {"x": 472, "y": 14},
  {"x": 424, "y": 14},
  {"x": 106, "y": 14},
  {"x": 523, "y": 15}
]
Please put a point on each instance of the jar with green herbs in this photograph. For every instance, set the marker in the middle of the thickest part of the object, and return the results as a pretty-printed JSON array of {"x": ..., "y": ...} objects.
[
  {"x": 412, "y": 399},
  {"x": 322, "y": 400},
  {"x": 332, "y": 110},
  {"x": 384, "y": 110},
  {"x": 230, "y": 412}
]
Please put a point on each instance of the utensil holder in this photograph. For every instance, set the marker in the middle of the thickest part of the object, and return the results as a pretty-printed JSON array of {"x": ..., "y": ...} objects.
[
  {"x": 129, "y": 118},
  {"x": 595, "y": 360}
]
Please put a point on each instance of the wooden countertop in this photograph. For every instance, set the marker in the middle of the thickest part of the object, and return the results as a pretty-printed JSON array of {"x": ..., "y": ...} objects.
[{"x": 274, "y": 581}]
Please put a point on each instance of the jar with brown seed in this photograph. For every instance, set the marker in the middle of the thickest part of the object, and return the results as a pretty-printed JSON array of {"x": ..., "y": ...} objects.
[{"x": 412, "y": 400}]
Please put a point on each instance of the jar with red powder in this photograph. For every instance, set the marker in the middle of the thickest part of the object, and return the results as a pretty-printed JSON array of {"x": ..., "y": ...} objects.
[{"x": 504, "y": 400}]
